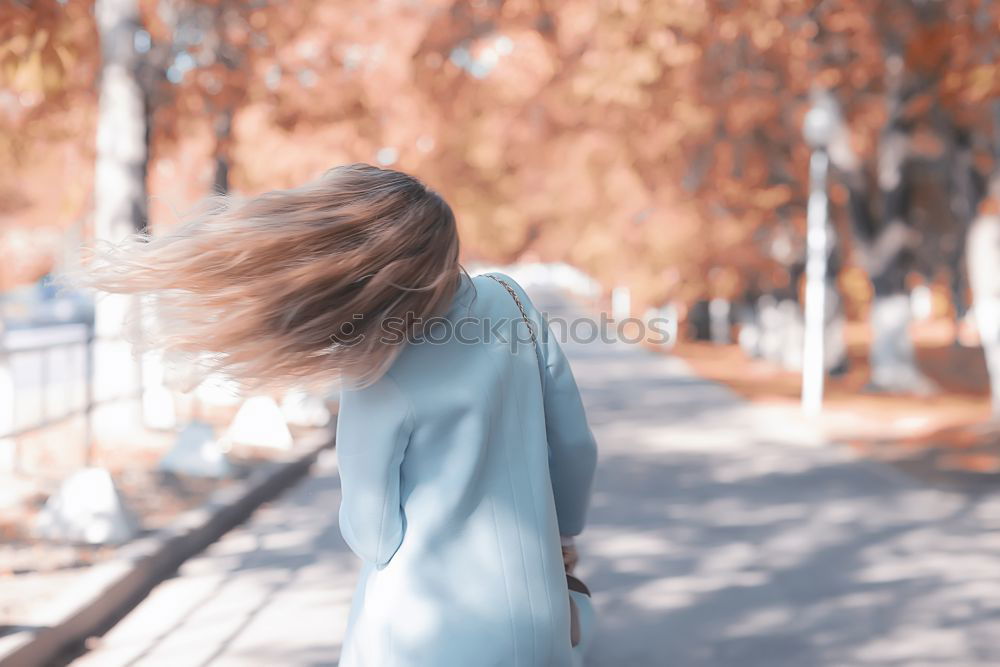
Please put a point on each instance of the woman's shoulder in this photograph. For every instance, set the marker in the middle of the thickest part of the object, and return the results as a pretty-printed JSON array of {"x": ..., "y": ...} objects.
[
  {"x": 504, "y": 293},
  {"x": 501, "y": 280},
  {"x": 493, "y": 275}
]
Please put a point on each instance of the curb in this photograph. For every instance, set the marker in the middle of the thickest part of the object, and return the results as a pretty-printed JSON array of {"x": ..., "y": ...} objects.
[{"x": 112, "y": 589}]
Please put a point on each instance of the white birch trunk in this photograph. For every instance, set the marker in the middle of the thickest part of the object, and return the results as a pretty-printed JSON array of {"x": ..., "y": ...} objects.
[
  {"x": 119, "y": 209},
  {"x": 983, "y": 260}
]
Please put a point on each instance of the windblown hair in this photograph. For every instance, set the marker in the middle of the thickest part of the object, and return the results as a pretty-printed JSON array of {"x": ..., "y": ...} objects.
[{"x": 292, "y": 286}]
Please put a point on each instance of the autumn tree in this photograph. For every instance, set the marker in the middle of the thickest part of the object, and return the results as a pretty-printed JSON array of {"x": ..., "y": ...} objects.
[
  {"x": 656, "y": 145},
  {"x": 49, "y": 57}
]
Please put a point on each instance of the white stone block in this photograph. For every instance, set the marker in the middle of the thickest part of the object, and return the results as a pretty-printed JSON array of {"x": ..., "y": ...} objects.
[
  {"x": 260, "y": 423},
  {"x": 197, "y": 453},
  {"x": 87, "y": 508}
]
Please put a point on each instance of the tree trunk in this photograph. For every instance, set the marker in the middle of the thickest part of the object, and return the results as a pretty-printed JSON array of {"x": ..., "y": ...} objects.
[
  {"x": 223, "y": 134},
  {"x": 965, "y": 191},
  {"x": 119, "y": 206},
  {"x": 884, "y": 241},
  {"x": 748, "y": 321},
  {"x": 122, "y": 152},
  {"x": 835, "y": 360},
  {"x": 781, "y": 323},
  {"x": 892, "y": 361},
  {"x": 719, "y": 320},
  {"x": 982, "y": 261},
  {"x": 983, "y": 257}
]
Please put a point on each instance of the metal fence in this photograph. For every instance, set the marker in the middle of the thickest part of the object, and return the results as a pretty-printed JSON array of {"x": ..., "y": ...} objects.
[{"x": 47, "y": 379}]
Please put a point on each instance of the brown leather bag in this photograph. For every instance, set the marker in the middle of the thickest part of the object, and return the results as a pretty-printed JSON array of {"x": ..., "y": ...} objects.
[{"x": 573, "y": 583}]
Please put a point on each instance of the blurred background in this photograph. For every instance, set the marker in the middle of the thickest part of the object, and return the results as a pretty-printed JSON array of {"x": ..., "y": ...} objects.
[{"x": 809, "y": 191}]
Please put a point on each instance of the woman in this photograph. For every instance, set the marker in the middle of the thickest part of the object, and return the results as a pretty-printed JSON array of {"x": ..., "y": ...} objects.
[{"x": 464, "y": 452}]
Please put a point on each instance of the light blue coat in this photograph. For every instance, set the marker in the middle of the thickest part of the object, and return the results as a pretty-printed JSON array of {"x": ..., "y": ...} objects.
[{"x": 459, "y": 469}]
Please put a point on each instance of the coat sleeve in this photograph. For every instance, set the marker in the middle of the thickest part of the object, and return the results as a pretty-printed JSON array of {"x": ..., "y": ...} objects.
[
  {"x": 572, "y": 447},
  {"x": 373, "y": 430}
]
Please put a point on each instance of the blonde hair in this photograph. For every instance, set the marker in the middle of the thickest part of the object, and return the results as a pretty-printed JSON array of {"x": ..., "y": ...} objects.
[{"x": 291, "y": 286}]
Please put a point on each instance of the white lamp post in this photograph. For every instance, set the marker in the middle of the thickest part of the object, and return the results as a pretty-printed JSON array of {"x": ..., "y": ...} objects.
[{"x": 817, "y": 129}]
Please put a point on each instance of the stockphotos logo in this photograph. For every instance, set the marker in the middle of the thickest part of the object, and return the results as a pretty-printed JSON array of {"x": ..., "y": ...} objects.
[{"x": 507, "y": 331}]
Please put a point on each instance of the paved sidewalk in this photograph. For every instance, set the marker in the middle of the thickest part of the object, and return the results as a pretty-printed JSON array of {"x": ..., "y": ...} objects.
[{"x": 717, "y": 536}]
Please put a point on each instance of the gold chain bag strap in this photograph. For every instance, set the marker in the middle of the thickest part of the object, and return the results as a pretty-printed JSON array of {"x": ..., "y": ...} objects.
[
  {"x": 572, "y": 583},
  {"x": 520, "y": 306}
]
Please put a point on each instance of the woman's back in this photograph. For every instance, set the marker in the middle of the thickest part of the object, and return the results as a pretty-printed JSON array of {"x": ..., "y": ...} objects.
[
  {"x": 447, "y": 488},
  {"x": 448, "y": 492}
]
